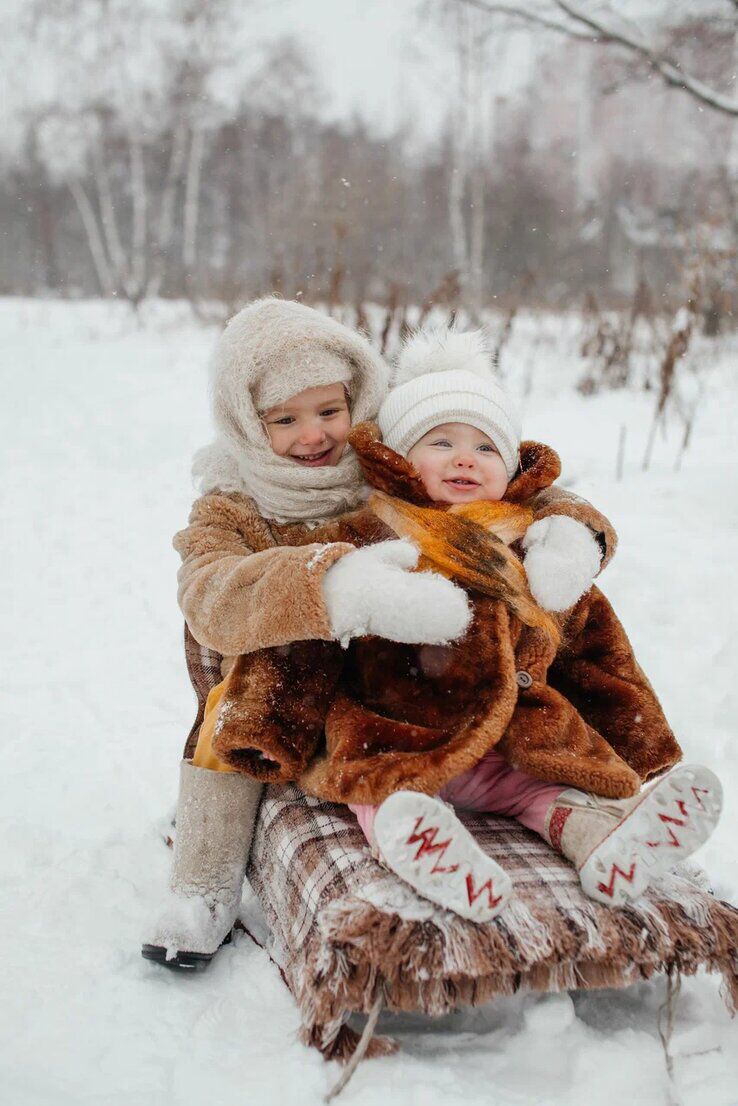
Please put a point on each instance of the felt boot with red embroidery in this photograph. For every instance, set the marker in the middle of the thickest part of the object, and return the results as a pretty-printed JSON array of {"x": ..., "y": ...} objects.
[
  {"x": 422, "y": 840},
  {"x": 619, "y": 845}
]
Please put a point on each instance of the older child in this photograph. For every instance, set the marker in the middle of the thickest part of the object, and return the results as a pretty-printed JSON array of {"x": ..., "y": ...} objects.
[
  {"x": 286, "y": 382},
  {"x": 260, "y": 593}
]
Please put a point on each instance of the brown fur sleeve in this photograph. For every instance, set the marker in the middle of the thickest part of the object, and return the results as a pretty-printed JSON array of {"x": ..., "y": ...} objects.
[
  {"x": 236, "y": 600},
  {"x": 557, "y": 501}
]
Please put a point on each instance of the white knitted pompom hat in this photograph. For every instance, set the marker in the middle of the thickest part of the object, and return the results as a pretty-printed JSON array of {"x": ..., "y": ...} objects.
[{"x": 445, "y": 375}]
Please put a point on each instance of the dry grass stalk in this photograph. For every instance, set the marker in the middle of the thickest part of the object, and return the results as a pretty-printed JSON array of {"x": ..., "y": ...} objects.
[
  {"x": 361, "y": 322},
  {"x": 393, "y": 303},
  {"x": 609, "y": 343},
  {"x": 447, "y": 294},
  {"x": 676, "y": 348}
]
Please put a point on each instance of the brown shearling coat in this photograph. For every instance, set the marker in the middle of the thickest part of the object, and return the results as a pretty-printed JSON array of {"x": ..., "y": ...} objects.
[{"x": 407, "y": 716}]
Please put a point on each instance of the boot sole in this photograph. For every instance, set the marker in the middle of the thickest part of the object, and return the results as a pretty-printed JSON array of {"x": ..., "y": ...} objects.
[
  {"x": 675, "y": 816},
  {"x": 425, "y": 844},
  {"x": 181, "y": 961}
]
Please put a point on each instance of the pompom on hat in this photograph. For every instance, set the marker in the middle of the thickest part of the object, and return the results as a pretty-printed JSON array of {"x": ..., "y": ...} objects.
[{"x": 446, "y": 375}]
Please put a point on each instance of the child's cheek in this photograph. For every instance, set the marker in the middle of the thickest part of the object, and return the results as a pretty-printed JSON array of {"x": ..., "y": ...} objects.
[
  {"x": 280, "y": 439},
  {"x": 429, "y": 475},
  {"x": 341, "y": 432},
  {"x": 498, "y": 483}
]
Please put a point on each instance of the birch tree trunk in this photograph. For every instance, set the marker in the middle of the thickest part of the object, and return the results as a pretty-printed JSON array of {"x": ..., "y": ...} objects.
[
  {"x": 479, "y": 141},
  {"x": 166, "y": 211},
  {"x": 139, "y": 202},
  {"x": 45, "y": 221},
  {"x": 192, "y": 205},
  {"x": 94, "y": 238},
  {"x": 460, "y": 153},
  {"x": 585, "y": 182},
  {"x": 109, "y": 221}
]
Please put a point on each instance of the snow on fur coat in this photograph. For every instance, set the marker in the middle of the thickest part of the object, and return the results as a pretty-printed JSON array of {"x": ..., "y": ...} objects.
[{"x": 356, "y": 725}]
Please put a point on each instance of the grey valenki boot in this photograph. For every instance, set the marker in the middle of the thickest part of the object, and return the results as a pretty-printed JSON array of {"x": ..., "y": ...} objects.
[
  {"x": 216, "y": 812},
  {"x": 618, "y": 846}
]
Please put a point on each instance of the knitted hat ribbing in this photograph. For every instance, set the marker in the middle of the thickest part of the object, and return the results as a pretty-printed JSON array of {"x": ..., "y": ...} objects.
[{"x": 446, "y": 376}]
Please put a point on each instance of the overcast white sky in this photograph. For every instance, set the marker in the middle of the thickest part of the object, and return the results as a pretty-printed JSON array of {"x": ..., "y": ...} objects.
[
  {"x": 367, "y": 54},
  {"x": 388, "y": 60}
]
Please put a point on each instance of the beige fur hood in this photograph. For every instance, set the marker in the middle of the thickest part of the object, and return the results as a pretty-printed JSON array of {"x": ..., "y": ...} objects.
[{"x": 271, "y": 350}]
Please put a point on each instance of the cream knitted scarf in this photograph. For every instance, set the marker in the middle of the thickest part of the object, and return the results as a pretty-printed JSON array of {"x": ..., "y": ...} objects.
[{"x": 281, "y": 489}]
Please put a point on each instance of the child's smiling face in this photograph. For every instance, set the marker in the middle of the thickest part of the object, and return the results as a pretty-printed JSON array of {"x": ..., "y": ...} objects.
[
  {"x": 310, "y": 428},
  {"x": 459, "y": 464}
]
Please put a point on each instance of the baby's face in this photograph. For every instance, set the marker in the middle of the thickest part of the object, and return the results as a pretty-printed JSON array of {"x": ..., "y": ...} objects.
[
  {"x": 311, "y": 428},
  {"x": 459, "y": 464}
]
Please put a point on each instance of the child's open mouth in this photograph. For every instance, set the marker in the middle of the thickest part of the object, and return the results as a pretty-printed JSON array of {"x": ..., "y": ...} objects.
[
  {"x": 313, "y": 460},
  {"x": 459, "y": 482}
]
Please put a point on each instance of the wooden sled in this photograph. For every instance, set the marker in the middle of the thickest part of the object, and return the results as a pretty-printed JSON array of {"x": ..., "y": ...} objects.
[{"x": 352, "y": 938}]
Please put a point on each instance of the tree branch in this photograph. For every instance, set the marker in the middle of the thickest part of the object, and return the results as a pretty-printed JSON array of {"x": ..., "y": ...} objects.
[
  {"x": 517, "y": 12},
  {"x": 590, "y": 28}
]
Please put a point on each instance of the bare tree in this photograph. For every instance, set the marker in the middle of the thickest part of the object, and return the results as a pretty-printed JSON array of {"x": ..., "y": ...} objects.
[
  {"x": 471, "y": 129},
  {"x": 604, "y": 26}
]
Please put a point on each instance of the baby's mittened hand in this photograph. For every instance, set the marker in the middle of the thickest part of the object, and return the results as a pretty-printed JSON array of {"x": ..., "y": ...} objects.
[{"x": 562, "y": 558}]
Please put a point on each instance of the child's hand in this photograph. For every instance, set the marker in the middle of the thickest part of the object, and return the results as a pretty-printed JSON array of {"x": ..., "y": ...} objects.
[
  {"x": 373, "y": 591},
  {"x": 562, "y": 559}
]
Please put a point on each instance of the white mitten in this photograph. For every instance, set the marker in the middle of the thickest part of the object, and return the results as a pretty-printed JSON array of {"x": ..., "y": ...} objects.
[
  {"x": 372, "y": 591},
  {"x": 562, "y": 559}
]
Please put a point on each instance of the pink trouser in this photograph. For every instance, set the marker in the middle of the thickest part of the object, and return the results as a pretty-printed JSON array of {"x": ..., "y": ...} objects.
[{"x": 490, "y": 787}]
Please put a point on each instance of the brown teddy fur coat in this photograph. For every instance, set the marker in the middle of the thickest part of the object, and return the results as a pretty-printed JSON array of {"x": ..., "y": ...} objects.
[{"x": 568, "y": 703}]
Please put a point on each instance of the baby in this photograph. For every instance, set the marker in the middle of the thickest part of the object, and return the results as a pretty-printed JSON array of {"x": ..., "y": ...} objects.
[{"x": 459, "y": 432}]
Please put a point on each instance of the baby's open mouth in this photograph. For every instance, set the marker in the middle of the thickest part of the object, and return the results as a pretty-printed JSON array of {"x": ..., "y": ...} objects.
[
  {"x": 313, "y": 458},
  {"x": 460, "y": 482}
]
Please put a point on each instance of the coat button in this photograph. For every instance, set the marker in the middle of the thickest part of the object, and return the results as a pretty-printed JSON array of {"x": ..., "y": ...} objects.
[{"x": 523, "y": 679}]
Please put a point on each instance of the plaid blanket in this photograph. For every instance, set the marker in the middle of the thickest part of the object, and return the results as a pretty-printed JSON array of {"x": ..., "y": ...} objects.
[
  {"x": 203, "y": 666},
  {"x": 346, "y": 930}
]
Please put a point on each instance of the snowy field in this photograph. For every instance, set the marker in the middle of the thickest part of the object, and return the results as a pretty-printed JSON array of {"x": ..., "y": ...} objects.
[{"x": 100, "y": 415}]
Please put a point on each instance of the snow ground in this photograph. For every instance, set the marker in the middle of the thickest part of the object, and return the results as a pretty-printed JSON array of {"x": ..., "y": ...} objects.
[{"x": 100, "y": 416}]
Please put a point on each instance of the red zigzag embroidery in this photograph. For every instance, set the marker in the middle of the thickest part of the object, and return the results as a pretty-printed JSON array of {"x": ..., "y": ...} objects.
[
  {"x": 673, "y": 839},
  {"x": 474, "y": 895},
  {"x": 427, "y": 838},
  {"x": 609, "y": 888}
]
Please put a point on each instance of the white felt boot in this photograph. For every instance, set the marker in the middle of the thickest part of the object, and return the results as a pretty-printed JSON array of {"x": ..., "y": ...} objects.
[
  {"x": 422, "y": 840},
  {"x": 619, "y": 845},
  {"x": 216, "y": 812}
]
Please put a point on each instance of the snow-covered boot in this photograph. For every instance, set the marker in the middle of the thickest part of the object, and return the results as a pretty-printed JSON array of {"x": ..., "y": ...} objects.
[
  {"x": 216, "y": 812},
  {"x": 422, "y": 840},
  {"x": 619, "y": 845}
]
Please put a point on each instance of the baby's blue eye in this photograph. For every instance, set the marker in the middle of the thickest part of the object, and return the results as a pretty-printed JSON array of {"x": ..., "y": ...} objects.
[
  {"x": 441, "y": 441},
  {"x": 284, "y": 421},
  {"x": 488, "y": 448}
]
